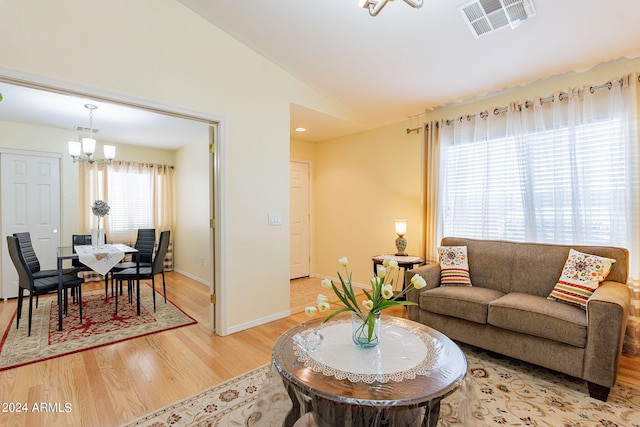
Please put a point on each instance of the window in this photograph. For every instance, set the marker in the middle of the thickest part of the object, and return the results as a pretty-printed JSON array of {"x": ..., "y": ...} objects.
[
  {"x": 130, "y": 198},
  {"x": 140, "y": 196},
  {"x": 562, "y": 186}
]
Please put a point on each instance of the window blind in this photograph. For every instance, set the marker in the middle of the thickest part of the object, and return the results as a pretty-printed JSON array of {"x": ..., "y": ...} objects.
[
  {"x": 564, "y": 185},
  {"x": 130, "y": 197}
]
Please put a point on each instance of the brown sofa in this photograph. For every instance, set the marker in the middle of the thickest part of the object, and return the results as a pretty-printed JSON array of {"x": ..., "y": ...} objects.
[{"x": 506, "y": 310}]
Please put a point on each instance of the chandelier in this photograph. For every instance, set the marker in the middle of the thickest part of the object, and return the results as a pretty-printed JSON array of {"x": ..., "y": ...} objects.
[
  {"x": 375, "y": 6},
  {"x": 88, "y": 145}
]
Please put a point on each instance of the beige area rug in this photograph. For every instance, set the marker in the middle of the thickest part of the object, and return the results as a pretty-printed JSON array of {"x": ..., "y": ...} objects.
[
  {"x": 499, "y": 392},
  {"x": 100, "y": 326}
]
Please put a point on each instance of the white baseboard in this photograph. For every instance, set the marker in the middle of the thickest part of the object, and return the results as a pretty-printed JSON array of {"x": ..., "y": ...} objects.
[
  {"x": 192, "y": 277},
  {"x": 258, "y": 322}
]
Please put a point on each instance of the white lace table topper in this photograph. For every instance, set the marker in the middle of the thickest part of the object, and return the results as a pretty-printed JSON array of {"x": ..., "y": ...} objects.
[
  {"x": 402, "y": 354},
  {"x": 100, "y": 259}
]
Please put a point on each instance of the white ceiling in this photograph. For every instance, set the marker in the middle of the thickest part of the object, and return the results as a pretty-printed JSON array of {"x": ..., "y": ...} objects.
[
  {"x": 405, "y": 61},
  {"x": 385, "y": 68},
  {"x": 116, "y": 123}
]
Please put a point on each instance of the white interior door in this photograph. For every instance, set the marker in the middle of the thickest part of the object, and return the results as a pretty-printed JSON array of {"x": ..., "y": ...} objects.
[
  {"x": 30, "y": 202},
  {"x": 300, "y": 220}
]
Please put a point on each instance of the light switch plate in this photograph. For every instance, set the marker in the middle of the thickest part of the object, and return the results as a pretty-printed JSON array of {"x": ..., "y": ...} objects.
[{"x": 275, "y": 219}]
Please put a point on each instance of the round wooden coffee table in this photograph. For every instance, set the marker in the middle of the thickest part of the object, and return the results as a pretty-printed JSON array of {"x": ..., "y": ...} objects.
[{"x": 399, "y": 382}]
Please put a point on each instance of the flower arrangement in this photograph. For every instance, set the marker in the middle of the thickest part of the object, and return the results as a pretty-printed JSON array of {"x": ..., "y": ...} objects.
[
  {"x": 379, "y": 298},
  {"x": 100, "y": 208}
]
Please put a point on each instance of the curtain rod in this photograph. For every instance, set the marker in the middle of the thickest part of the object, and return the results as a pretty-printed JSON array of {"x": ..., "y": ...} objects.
[
  {"x": 527, "y": 104},
  {"x": 149, "y": 165},
  {"x": 415, "y": 129}
]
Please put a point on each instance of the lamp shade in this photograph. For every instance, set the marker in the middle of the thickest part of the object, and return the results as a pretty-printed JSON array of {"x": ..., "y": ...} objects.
[
  {"x": 401, "y": 227},
  {"x": 75, "y": 148},
  {"x": 88, "y": 145},
  {"x": 109, "y": 152}
]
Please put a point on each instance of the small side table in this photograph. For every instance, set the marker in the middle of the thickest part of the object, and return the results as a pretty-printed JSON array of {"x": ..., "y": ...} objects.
[{"x": 407, "y": 262}]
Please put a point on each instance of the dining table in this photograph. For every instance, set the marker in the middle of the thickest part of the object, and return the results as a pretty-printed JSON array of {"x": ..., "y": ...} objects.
[{"x": 101, "y": 259}]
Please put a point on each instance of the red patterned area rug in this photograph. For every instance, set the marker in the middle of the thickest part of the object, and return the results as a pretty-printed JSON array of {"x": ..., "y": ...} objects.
[{"x": 100, "y": 326}]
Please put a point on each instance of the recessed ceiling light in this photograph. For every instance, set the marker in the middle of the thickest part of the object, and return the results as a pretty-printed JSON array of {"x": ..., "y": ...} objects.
[{"x": 301, "y": 129}]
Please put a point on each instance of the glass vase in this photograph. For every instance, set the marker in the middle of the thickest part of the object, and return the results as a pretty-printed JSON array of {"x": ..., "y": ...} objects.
[
  {"x": 365, "y": 329},
  {"x": 97, "y": 237}
]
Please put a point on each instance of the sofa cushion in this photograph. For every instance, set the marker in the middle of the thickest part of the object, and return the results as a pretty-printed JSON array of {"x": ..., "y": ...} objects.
[
  {"x": 581, "y": 275},
  {"x": 491, "y": 262},
  {"x": 454, "y": 266},
  {"x": 469, "y": 303},
  {"x": 539, "y": 316}
]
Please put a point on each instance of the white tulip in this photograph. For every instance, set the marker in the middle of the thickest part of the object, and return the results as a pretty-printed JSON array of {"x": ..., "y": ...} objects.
[
  {"x": 418, "y": 281},
  {"x": 387, "y": 291}
]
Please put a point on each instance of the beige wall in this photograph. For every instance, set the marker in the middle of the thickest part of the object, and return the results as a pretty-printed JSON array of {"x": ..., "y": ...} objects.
[
  {"x": 135, "y": 153},
  {"x": 302, "y": 150},
  {"x": 193, "y": 246},
  {"x": 363, "y": 181},
  {"x": 159, "y": 53}
]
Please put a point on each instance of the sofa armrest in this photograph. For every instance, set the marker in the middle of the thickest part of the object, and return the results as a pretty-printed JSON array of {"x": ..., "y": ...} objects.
[
  {"x": 431, "y": 274},
  {"x": 607, "y": 312}
]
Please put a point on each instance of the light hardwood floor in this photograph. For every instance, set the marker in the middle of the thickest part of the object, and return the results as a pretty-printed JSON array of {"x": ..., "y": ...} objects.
[{"x": 114, "y": 384}]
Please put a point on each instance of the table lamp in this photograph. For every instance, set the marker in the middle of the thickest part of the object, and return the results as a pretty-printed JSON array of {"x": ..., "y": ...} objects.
[{"x": 401, "y": 242}]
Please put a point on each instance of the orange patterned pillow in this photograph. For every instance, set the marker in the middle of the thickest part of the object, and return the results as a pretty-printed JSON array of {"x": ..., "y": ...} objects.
[
  {"x": 454, "y": 266},
  {"x": 581, "y": 275}
]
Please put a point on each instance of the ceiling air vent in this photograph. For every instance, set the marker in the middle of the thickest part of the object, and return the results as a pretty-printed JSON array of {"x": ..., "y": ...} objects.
[{"x": 486, "y": 16}]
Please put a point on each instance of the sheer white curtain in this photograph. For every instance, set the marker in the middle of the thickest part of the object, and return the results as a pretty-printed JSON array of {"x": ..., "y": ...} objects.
[
  {"x": 561, "y": 171},
  {"x": 140, "y": 196}
]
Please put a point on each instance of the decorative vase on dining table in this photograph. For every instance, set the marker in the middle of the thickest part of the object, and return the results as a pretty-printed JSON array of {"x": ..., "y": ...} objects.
[
  {"x": 365, "y": 329},
  {"x": 97, "y": 237}
]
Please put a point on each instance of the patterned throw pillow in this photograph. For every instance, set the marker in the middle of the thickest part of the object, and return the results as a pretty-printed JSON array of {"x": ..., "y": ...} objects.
[
  {"x": 581, "y": 275},
  {"x": 454, "y": 266}
]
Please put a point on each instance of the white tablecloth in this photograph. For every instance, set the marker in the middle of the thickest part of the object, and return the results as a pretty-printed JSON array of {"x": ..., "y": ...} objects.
[{"x": 100, "y": 259}]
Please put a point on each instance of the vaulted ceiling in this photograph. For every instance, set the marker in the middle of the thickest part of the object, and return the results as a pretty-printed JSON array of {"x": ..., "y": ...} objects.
[
  {"x": 405, "y": 61},
  {"x": 400, "y": 63}
]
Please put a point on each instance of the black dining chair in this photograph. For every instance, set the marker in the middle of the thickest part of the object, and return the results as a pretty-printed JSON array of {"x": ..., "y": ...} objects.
[
  {"x": 157, "y": 267},
  {"x": 26, "y": 248},
  {"x": 79, "y": 240},
  {"x": 145, "y": 243},
  {"x": 41, "y": 285}
]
